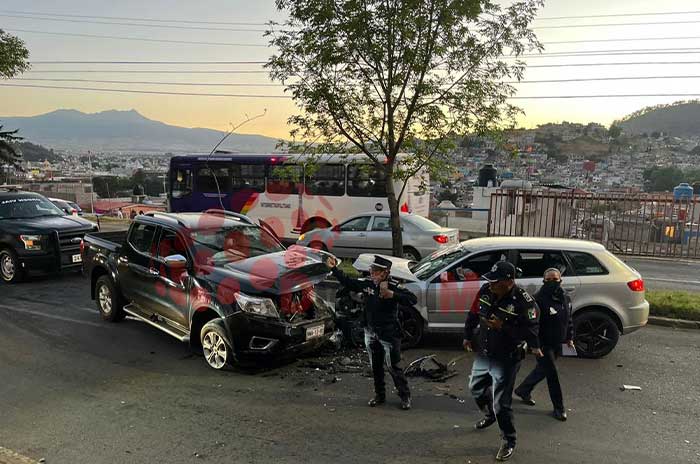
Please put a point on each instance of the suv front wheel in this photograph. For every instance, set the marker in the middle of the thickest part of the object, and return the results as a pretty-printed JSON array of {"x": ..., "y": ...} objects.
[
  {"x": 10, "y": 270},
  {"x": 217, "y": 352}
]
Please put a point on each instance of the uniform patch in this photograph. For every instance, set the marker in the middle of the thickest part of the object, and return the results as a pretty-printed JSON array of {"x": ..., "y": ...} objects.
[
  {"x": 552, "y": 311},
  {"x": 532, "y": 313}
]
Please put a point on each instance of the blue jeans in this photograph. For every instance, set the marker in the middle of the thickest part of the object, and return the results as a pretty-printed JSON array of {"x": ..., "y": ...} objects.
[
  {"x": 491, "y": 384},
  {"x": 386, "y": 352}
]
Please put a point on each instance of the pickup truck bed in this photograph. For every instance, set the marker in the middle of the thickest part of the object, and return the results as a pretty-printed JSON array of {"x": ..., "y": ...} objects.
[{"x": 110, "y": 241}]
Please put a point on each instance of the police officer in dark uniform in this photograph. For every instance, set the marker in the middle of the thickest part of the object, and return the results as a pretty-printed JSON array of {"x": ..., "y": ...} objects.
[
  {"x": 556, "y": 327},
  {"x": 382, "y": 335},
  {"x": 502, "y": 318}
]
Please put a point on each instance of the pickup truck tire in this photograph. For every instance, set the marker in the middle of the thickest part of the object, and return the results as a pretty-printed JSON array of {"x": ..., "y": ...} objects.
[
  {"x": 217, "y": 351},
  {"x": 10, "y": 270},
  {"x": 109, "y": 302}
]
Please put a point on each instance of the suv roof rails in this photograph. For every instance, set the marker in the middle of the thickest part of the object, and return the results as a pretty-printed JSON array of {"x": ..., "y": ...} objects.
[
  {"x": 224, "y": 212},
  {"x": 10, "y": 188},
  {"x": 153, "y": 214}
]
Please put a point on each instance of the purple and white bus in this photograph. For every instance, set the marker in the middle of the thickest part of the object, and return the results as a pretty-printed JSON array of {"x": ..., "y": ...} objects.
[{"x": 337, "y": 187}]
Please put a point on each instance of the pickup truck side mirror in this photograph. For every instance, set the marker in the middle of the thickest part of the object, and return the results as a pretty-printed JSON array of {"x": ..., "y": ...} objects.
[{"x": 176, "y": 262}]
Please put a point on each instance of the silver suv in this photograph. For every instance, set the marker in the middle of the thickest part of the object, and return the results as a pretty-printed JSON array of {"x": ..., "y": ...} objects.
[{"x": 608, "y": 295}]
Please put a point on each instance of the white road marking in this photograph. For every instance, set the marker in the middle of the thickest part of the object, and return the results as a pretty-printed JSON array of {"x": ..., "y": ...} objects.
[{"x": 53, "y": 316}]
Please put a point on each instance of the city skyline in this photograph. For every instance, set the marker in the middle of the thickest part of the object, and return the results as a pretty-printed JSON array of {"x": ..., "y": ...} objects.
[{"x": 160, "y": 42}]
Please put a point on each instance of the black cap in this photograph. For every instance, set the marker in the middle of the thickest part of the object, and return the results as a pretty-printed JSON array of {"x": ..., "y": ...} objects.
[
  {"x": 502, "y": 270},
  {"x": 381, "y": 263}
]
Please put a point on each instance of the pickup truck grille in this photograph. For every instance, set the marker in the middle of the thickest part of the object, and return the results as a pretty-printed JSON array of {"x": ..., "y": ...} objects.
[{"x": 69, "y": 246}]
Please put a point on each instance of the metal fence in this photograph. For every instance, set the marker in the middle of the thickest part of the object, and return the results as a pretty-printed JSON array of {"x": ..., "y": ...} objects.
[{"x": 633, "y": 224}]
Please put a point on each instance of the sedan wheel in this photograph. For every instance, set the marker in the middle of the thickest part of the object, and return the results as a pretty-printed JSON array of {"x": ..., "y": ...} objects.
[
  {"x": 217, "y": 351},
  {"x": 596, "y": 334},
  {"x": 411, "y": 254},
  {"x": 411, "y": 325}
]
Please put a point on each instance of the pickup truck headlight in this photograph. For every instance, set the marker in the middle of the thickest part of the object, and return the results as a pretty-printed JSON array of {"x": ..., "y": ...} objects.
[
  {"x": 255, "y": 305},
  {"x": 31, "y": 242}
]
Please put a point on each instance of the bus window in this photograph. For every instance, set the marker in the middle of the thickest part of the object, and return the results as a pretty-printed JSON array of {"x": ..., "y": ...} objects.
[
  {"x": 366, "y": 181},
  {"x": 206, "y": 183},
  {"x": 248, "y": 177},
  {"x": 181, "y": 182},
  {"x": 284, "y": 179},
  {"x": 327, "y": 179}
]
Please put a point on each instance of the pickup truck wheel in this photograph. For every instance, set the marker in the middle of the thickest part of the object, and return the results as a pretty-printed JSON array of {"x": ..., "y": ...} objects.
[
  {"x": 109, "y": 303},
  {"x": 217, "y": 352},
  {"x": 10, "y": 270}
]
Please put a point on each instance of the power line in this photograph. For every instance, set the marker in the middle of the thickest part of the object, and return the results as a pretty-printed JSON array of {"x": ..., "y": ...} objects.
[
  {"x": 634, "y": 63},
  {"x": 568, "y": 26},
  {"x": 533, "y": 97},
  {"x": 138, "y": 39},
  {"x": 622, "y": 39},
  {"x": 210, "y": 84},
  {"x": 146, "y": 62},
  {"x": 154, "y": 92},
  {"x": 662, "y": 13},
  {"x": 155, "y": 20},
  {"x": 163, "y": 26},
  {"x": 132, "y": 71}
]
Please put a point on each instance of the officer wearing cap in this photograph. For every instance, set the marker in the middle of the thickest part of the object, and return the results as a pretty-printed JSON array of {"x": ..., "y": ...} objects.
[
  {"x": 382, "y": 335},
  {"x": 502, "y": 318}
]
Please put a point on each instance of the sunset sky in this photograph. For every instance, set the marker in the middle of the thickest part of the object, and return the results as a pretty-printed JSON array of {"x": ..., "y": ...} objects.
[{"x": 218, "y": 112}]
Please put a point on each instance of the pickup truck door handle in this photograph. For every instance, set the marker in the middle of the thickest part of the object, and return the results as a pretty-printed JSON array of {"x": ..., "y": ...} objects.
[
  {"x": 362, "y": 235},
  {"x": 154, "y": 272},
  {"x": 123, "y": 260}
]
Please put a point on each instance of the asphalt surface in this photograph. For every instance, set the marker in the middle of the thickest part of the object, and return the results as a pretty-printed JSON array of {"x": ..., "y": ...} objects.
[
  {"x": 75, "y": 389},
  {"x": 667, "y": 274}
]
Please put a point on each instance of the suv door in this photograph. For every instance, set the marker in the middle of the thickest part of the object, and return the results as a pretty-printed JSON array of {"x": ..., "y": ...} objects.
[
  {"x": 137, "y": 274},
  {"x": 170, "y": 295},
  {"x": 351, "y": 238},
  {"x": 533, "y": 263},
  {"x": 452, "y": 292}
]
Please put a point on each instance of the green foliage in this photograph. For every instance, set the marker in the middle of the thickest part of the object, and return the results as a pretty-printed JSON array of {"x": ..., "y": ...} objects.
[
  {"x": 13, "y": 60},
  {"x": 384, "y": 77},
  {"x": 33, "y": 152},
  {"x": 615, "y": 131},
  {"x": 649, "y": 109},
  {"x": 658, "y": 179},
  {"x": 674, "y": 304},
  {"x": 112, "y": 187}
]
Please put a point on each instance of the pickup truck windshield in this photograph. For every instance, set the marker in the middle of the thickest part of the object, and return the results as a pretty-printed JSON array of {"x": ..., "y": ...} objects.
[
  {"x": 28, "y": 207},
  {"x": 235, "y": 243}
]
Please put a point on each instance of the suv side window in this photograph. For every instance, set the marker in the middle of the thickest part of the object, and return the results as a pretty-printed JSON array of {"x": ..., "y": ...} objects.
[
  {"x": 586, "y": 264},
  {"x": 473, "y": 268},
  {"x": 141, "y": 238},
  {"x": 358, "y": 224},
  {"x": 533, "y": 263}
]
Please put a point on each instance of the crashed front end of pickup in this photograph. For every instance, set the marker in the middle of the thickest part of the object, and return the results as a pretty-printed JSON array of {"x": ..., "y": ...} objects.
[{"x": 274, "y": 309}]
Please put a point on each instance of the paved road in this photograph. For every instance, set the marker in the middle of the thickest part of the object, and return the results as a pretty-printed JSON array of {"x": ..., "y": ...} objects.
[
  {"x": 75, "y": 389},
  {"x": 667, "y": 274}
]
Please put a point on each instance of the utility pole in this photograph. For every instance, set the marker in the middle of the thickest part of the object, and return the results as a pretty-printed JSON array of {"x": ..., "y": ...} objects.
[{"x": 92, "y": 186}]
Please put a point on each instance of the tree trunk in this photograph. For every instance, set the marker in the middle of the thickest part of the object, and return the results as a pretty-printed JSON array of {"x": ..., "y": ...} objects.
[{"x": 396, "y": 235}]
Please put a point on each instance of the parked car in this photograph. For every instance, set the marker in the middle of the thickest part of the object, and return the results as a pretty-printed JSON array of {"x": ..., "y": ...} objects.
[
  {"x": 68, "y": 207},
  {"x": 371, "y": 232},
  {"x": 216, "y": 280},
  {"x": 607, "y": 294},
  {"x": 36, "y": 237}
]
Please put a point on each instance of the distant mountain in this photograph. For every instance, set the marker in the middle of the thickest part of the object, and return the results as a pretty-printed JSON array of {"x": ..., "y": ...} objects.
[
  {"x": 33, "y": 152},
  {"x": 681, "y": 119},
  {"x": 126, "y": 131}
]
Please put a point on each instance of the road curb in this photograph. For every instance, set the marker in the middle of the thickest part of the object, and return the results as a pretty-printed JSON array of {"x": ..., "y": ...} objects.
[
  {"x": 8, "y": 456},
  {"x": 675, "y": 323}
]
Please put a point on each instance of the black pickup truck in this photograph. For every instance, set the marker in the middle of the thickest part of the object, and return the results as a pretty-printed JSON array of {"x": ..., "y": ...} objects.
[
  {"x": 36, "y": 237},
  {"x": 216, "y": 280}
]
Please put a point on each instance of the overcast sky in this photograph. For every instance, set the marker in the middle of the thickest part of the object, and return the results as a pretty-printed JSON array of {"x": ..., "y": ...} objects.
[{"x": 218, "y": 112}]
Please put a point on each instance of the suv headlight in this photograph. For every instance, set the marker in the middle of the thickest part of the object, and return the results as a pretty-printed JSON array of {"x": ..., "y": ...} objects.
[
  {"x": 31, "y": 242},
  {"x": 255, "y": 305}
]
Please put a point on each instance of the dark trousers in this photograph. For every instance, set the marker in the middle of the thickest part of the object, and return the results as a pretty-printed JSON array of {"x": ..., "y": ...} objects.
[
  {"x": 386, "y": 351},
  {"x": 491, "y": 384},
  {"x": 545, "y": 368}
]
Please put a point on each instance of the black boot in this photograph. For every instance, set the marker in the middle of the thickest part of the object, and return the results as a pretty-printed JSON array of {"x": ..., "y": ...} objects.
[
  {"x": 406, "y": 403},
  {"x": 525, "y": 398},
  {"x": 378, "y": 400},
  {"x": 505, "y": 451},
  {"x": 560, "y": 414},
  {"x": 487, "y": 421}
]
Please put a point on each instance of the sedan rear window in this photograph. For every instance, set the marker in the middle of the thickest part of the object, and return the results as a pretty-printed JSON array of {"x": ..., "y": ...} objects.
[
  {"x": 421, "y": 222},
  {"x": 586, "y": 264}
]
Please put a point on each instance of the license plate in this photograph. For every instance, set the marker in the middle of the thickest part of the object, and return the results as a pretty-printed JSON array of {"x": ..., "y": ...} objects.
[
  {"x": 77, "y": 259},
  {"x": 314, "y": 332}
]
